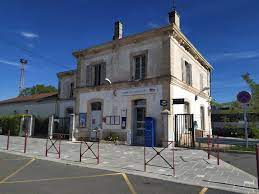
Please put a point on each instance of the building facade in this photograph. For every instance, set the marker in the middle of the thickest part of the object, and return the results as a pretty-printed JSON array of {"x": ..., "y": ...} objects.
[{"x": 121, "y": 82}]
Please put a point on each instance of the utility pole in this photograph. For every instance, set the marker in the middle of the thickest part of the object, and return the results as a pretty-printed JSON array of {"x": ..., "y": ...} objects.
[{"x": 23, "y": 63}]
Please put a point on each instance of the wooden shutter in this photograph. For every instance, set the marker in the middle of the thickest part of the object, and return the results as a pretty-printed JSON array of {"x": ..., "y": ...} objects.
[
  {"x": 190, "y": 74},
  {"x": 103, "y": 73},
  {"x": 88, "y": 75},
  {"x": 143, "y": 67},
  {"x": 183, "y": 70}
]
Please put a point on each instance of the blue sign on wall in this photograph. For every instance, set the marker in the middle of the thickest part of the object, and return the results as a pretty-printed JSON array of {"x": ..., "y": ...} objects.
[{"x": 150, "y": 132}]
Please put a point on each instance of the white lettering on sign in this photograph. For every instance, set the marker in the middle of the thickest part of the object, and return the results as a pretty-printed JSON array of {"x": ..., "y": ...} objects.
[{"x": 138, "y": 91}]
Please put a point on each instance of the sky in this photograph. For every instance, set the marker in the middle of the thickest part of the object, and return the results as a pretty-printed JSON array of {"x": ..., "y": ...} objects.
[{"x": 47, "y": 32}]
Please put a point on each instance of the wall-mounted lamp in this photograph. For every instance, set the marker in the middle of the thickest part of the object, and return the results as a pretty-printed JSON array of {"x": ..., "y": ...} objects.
[{"x": 204, "y": 89}]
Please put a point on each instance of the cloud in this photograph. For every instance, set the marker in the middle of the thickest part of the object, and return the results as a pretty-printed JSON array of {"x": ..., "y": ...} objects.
[
  {"x": 11, "y": 63},
  {"x": 152, "y": 24},
  {"x": 29, "y": 35},
  {"x": 235, "y": 55}
]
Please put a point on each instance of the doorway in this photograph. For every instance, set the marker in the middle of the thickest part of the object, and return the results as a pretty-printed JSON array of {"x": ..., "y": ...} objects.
[
  {"x": 139, "y": 114},
  {"x": 202, "y": 113},
  {"x": 96, "y": 115}
]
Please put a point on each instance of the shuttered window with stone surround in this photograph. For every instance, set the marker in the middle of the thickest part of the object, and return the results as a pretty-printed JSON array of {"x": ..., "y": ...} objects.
[
  {"x": 95, "y": 74},
  {"x": 186, "y": 72},
  {"x": 140, "y": 67}
]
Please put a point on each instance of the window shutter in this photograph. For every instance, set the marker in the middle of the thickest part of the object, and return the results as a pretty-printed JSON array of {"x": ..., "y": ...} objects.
[
  {"x": 103, "y": 73},
  {"x": 143, "y": 67},
  {"x": 88, "y": 75},
  {"x": 190, "y": 74},
  {"x": 183, "y": 71}
]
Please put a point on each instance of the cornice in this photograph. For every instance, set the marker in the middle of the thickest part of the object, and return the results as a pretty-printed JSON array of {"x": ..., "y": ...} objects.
[{"x": 171, "y": 30}]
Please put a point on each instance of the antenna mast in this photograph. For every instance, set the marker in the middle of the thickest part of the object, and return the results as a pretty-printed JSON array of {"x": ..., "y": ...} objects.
[{"x": 23, "y": 63}]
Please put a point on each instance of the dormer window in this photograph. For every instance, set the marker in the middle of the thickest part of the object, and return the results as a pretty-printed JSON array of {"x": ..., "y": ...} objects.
[{"x": 140, "y": 64}]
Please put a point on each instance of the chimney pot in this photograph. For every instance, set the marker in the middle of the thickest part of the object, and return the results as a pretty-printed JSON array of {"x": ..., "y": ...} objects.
[
  {"x": 174, "y": 18},
  {"x": 118, "y": 30}
]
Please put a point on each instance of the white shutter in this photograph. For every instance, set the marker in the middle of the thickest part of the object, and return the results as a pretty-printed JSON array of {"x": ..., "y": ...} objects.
[
  {"x": 88, "y": 75},
  {"x": 183, "y": 70}
]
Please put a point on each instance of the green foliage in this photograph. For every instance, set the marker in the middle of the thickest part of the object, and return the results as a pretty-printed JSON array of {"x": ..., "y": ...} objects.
[
  {"x": 255, "y": 92},
  {"x": 38, "y": 89},
  {"x": 255, "y": 133},
  {"x": 112, "y": 137},
  {"x": 11, "y": 123}
]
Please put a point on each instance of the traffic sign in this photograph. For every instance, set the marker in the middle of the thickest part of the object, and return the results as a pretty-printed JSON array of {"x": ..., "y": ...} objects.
[
  {"x": 244, "y": 97},
  {"x": 163, "y": 103}
]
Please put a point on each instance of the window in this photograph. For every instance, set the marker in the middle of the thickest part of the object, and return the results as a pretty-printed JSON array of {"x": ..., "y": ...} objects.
[
  {"x": 201, "y": 82},
  {"x": 186, "y": 108},
  {"x": 95, "y": 74},
  {"x": 186, "y": 72},
  {"x": 140, "y": 66},
  {"x": 96, "y": 106}
]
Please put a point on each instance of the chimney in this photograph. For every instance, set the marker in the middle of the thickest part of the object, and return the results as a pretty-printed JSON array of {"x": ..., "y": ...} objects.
[
  {"x": 118, "y": 30},
  {"x": 174, "y": 18}
]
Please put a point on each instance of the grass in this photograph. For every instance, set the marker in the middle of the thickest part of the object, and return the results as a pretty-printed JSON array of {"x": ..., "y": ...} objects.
[{"x": 238, "y": 148}]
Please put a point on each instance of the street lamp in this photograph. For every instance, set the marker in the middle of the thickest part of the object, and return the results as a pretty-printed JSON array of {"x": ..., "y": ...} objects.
[
  {"x": 108, "y": 80},
  {"x": 204, "y": 89}
]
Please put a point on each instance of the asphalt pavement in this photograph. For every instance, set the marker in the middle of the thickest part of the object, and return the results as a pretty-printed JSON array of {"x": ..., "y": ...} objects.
[{"x": 23, "y": 175}]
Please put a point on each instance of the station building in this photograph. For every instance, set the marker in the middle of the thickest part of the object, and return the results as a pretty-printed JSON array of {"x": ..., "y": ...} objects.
[{"x": 121, "y": 82}]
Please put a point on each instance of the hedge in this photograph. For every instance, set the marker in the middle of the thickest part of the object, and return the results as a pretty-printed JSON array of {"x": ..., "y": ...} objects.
[{"x": 11, "y": 123}]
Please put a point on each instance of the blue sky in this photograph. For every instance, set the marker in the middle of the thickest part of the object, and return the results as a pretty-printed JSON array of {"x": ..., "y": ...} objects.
[{"x": 46, "y": 32}]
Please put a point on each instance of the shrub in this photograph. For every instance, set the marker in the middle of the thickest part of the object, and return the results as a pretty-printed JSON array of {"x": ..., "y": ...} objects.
[
  {"x": 112, "y": 137},
  {"x": 11, "y": 123},
  {"x": 255, "y": 133}
]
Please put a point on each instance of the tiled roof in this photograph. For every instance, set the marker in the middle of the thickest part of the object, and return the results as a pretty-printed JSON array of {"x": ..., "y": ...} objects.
[{"x": 35, "y": 97}]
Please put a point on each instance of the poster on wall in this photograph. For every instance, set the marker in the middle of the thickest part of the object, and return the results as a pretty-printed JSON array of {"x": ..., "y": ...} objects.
[
  {"x": 82, "y": 120},
  {"x": 123, "y": 118}
]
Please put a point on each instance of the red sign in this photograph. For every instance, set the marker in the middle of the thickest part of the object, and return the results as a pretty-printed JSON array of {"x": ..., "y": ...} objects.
[{"x": 244, "y": 97}]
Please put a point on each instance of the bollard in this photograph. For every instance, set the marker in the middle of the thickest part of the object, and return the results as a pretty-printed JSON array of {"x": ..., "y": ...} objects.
[
  {"x": 208, "y": 136},
  {"x": 46, "y": 151},
  {"x": 144, "y": 158},
  {"x": 8, "y": 140},
  {"x": 80, "y": 152},
  {"x": 59, "y": 148},
  {"x": 218, "y": 150},
  {"x": 25, "y": 142},
  {"x": 98, "y": 152},
  {"x": 257, "y": 164},
  {"x": 173, "y": 159}
]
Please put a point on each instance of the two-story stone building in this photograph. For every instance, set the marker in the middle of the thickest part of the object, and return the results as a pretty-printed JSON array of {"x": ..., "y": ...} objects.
[{"x": 121, "y": 82}]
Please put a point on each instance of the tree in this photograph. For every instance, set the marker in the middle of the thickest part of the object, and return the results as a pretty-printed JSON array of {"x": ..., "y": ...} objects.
[
  {"x": 38, "y": 89},
  {"x": 255, "y": 92}
]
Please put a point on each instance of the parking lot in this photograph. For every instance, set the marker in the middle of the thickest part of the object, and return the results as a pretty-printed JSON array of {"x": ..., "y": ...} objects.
[{"x": 23, "y": 175}]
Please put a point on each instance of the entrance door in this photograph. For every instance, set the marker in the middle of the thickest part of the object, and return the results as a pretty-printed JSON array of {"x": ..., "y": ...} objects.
[
  {"x": 139, "y": 115},
  {"x": 96, "y": 115}
]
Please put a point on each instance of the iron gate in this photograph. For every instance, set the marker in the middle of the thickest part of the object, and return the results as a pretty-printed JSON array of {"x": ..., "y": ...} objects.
[
  {"x": 62, "y": 125},
  {"x": 184, "y": 130}
]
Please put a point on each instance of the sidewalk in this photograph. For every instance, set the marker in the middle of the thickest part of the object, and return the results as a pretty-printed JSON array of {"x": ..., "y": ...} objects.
[{"x": 191, "y": 166}]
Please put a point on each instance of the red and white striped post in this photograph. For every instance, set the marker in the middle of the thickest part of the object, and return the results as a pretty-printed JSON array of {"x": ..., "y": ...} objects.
[
  {"x": 8, "y": 140},
  {"x": 257, "y": 164}
]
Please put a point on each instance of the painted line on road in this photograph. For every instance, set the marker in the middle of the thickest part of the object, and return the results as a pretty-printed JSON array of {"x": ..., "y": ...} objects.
[
  {"x": 61, "y": 178},
  {"x": 18, "y": 170},
  {"x": 204, "y": 190},
  {"x": 131, "y": 188}
]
